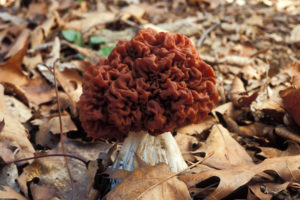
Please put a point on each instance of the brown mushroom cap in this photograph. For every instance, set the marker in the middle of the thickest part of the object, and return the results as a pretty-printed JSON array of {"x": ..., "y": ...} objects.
[{"x": 155, "y": 82}]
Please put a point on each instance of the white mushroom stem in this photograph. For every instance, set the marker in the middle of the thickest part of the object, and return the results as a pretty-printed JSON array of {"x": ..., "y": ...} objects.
[{"x": 151, "y": 149}]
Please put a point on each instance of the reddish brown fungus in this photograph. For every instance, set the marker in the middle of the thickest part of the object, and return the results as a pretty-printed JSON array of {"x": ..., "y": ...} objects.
[{"x": 155, "y": 82}]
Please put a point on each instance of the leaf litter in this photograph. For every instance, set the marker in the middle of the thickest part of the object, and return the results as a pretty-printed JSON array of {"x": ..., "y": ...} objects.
[{"x": 254, "y": 131}]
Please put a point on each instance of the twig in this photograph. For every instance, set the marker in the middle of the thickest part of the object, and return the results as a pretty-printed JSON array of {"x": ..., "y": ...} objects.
[
  {"x": 49, "y": 155},
  {"x": 60, "y": 126},
  {"x": 40, "y": 47},
  {"x": 173, "y": 175},
  {"x": 286, "y": 133},
  {"x": 210, "y": 29}
]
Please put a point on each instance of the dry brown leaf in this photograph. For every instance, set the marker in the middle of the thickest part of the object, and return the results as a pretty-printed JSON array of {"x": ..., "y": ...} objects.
[
  {"x": 20, "y": 111},
  {"x": 256, "y": 129},
  {"x": 269, "y": 189},
  {"x": 6, "y": 154},
  {"x": 34, "y": 90},
  {"x": 38, "y": 91},
  {"x": 287, "y": 133},
  {"x": 48, "y": 127},
  {"x": 42, "y": 192},
  {"x": 186, "y": 144},
  {"x": 19, "y": 44},
  {"x": 295, "y": 34},
  {"x": 227, "y": 108},
  {"x": 8, "y": 176},
  {"x": 238, "y": 94},
  {"x": 133, "y": 185},
  {"x": 71, "y": 82},
  {"x": 14, "y": 131},
  {"x": 132, "y": 11},
  {"x": 88, "y": 20},
  {"x": 2, "y": 123},
  {"x": 52, "y": 172},
  {"x": 231, "y": 179},
  {"x": 227, "y": 151},
  {"x": 8, "y": 193},
  {"x": 90, "y": 56},
  {"x": 271, "y": 152},
  {"x": 196, "y": 129},
  {"x": 11, "y": 71}
]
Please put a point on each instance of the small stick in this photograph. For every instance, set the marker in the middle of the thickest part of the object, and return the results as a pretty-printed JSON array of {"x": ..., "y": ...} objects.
[
  {"x": 173, "y": 175},
  {"x": 286, "y": 133},
  {"x": 210, "y": 29},
  {"x": 48, "y": 155},
  {"x": 60, "y": 126}
]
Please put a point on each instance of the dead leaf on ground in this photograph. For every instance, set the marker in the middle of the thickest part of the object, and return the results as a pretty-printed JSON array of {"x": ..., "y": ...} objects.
[
  {"x": 197, "y": 129},
  {"x": 231, "y": 179},
  {"x": 8, "y": 193},
  {"x": 71, "y": 82},
  {"x": 227, "y": 151},
  {"x": 53, "y": 174},
  {"x": 187, "y": 144},
  {"x": 238, "y": 94},
  {"x": 50, "y": 127},
  {"x": 133, "y": 185},
  {"x": 21, "y": 112},
  {"x": 269, "y": 189},
  {"x": 35, "y": 90},
  {"x": 271, "y": 152},
  {"x": 14, "y": 131},
  {"x": 88, "y": 20}
]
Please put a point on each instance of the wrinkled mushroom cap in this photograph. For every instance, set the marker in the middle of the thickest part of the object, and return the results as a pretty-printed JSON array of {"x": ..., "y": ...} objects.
[{"x": 156, "y": 82}]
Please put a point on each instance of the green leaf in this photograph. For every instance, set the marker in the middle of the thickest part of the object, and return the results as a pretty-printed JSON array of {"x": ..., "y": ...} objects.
[
  {"x": 97, "y": 40},
  {"x": 73, "y": 36},
  {"x": 79, "y": 39},
  {"x": 80, "y": 56},
  {"x": 106, "y": 50},
  {"x": 69, "y": 35}
]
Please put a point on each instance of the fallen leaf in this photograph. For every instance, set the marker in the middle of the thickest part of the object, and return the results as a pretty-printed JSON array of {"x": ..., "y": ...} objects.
[
  {"x": 271, "y": 152},
  {"x": 34, "y": 90},
  {"x": 227, "y": 151},
  {"x": 133, "y": 186},
  {"x": 231, "y": 179},
  {"x": 20, "y": 111},
  {"x": 14, "y": 131},
  {"x": 71, "y": 82},
  {"x": 187, "y": 144},
  {"x": 19, "y": 44},
  {"x": 6, "y": 153},
  {"x": 8, "y": 176},
  {"x": 88, "y": 20},
  {"x": 269, "y": 189},
  {"x": 52, "y": 172},
  {"x": 48, "y": 127},
  {"x": 295, "y": 34},
  {"x": 2, "y": 124},
  {"x": 238, "y": 94},
  {"x": 197, "y": 129},
  {"x": 8, "y": 193}
]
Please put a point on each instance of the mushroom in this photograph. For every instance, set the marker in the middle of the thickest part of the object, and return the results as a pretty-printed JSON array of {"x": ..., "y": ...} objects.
[{"x": 143, "y": 91}]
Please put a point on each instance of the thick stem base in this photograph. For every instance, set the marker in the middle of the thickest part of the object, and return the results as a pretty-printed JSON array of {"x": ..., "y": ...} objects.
[{"x": 151, "y": 149}]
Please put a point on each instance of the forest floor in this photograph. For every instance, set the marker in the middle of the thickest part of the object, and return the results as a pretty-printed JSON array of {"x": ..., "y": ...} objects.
[{"x": 249, "y": 144}]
